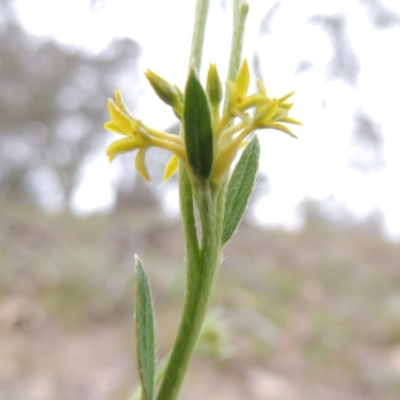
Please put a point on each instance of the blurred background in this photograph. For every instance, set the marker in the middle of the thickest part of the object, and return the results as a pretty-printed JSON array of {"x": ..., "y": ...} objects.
[{"x": 307, "y": 302}]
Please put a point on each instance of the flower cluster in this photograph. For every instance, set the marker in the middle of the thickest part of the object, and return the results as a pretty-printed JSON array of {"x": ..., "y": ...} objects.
[
  {"x": 243, "y": 114},
  {"x": 140, "y": 137}
]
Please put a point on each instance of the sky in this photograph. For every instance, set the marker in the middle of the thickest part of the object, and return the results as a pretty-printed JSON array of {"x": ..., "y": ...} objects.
[{"x": 315, "y": 166}]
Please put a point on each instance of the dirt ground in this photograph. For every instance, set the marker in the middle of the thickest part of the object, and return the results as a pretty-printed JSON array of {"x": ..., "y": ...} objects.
[{"x": 312, "y": 315}]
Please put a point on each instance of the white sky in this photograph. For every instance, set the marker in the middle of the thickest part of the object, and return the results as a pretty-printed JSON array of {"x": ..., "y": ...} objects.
[{"x": 316, "y": 165}]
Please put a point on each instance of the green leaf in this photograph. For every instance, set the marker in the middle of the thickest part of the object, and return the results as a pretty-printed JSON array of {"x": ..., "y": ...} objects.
[
  {"x": 198, "y": 127},
  {"x": 240, "y": 187},
  {"x": 145, "y": 336},
  {"x": 160, "y": 373}
]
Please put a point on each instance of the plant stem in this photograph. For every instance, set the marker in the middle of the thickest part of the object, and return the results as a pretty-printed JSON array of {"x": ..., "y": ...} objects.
[
  {"x": 198, "y": 33},
  {"x": 198, "y": 285},
  {"x": 201, "y": 262},
  {"x": 240, "y": 11},
  {"x": 200, "y": 277},
  {"x": 185, "y": 187}
]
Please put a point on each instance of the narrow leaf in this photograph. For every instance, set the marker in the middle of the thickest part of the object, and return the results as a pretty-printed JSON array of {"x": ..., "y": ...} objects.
[
  {"x": 160, "y": 373},
  {"x": 240, "y": 187},
  {"x": 145, "y": 337},
  {"x": 198, "y": 127}
]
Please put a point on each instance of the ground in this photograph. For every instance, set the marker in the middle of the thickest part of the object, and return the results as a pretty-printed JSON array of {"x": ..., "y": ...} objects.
[{"x": 312, "y": 315}]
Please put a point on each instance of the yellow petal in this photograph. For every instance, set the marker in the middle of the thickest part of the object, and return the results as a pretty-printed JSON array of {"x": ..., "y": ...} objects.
[
  {"x": 113, "y": 127},
  {"x": 267, "y": 112},
  {"x": 280, "y": 127},
  {"x": 121, "y": 104},
  {"x": 224, "y": 160},
  {"x": 253, "y": 100},
  {"x": 243, "y": 80},
  {"x": 121, "y": 119},
  {"x": 261, "y": 87},
  {"x": 286, "y": 106},
  {"x": 171, "y": 168},
  {"x": 280, "y": 114},
  {"x": 285, "y": 97},
  {"x": 121, "y": 146},
  {"x": 141, "y": 165},
  {"x": 289, "y": 120}
]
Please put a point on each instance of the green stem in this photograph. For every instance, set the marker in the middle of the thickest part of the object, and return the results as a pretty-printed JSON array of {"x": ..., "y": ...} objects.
[
  {"x": 185, "y": 187},
  {"x": 199, "y": 29},
  {"x": 240, "y": 11},
  {"x": 200, "y": 277},
  {"x": 201, "y": 262},
  {"x": 197, "y": 291}
]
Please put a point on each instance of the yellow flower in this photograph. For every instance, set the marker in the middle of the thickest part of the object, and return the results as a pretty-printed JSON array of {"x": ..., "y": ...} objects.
[
  {"x": 243, "y": 115},
  {"x": 237, "y": 92},
  {"x": 255, "y": 111},
  {"x": 138, "y": 137}
]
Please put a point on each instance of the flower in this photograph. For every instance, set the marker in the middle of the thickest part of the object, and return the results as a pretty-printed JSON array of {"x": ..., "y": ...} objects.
[
  {"x": 138, "y": 137},
  {"x": 266, "y": 113},
  {"x": 242, "y": 116}
]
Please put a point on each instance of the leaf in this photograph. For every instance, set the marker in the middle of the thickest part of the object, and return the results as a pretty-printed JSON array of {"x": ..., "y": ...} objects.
[
  {"x": 160, "y": 373},
  {"x": 198, "y": 127},
  {"x": 240, "y": 187},
  {"x": 145, "y": 336}
]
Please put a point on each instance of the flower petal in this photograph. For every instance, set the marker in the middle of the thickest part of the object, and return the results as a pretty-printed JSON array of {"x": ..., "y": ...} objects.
[
  {"x": 285, "y": 97},
  {"x": 286, "y": 106},
  {"x": 279, "y": 127},
  {"x": 120, "y": 118},
  {"x": 280, "y": 114},
  {"x": 268, "y": 112},
  {"x": 121, "y": 146},
  {"x": 171, "y": 168},
  {"x": 121, "y": 104},
  {"x": 261, "y": 87},
  {"x": 242, "y": 81},
  {"x": 113, "y": 127},
  {"x": 141, "y": 165},
  {"x": 253, "y": 100},
  {"x": 289, "y": 120}
]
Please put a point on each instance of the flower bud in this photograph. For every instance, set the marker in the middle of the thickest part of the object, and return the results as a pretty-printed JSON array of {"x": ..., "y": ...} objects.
[
  {"x": 214, "y": 87},
  {"x": 168, "y": 93}
]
